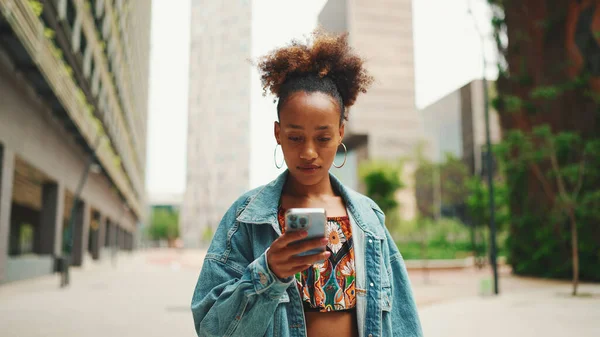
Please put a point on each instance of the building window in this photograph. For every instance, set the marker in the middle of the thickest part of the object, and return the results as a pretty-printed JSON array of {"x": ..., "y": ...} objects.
[
  {"x": 21, "y": 239},
  {"x": 83, "y": 42},
  {"x": 71, "y": 14}
]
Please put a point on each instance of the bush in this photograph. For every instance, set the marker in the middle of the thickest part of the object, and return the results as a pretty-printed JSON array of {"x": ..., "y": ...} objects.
[{"x": 444, "y": 239}]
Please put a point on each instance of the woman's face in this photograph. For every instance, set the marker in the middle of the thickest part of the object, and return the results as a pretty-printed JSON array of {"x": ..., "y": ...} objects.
[{"x": 309, "y": 132}]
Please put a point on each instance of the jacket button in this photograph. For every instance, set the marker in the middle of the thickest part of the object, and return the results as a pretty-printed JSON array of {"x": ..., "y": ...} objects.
[
  {"x": 263, "y": 278},
  {"x": 370, "y": 241},
  {"x": 372, "y": 285},
  {"x": 370, "y": 335}
]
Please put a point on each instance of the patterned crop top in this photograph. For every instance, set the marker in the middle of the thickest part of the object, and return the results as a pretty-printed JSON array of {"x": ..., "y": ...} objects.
[{"x": 329, "y": 286}]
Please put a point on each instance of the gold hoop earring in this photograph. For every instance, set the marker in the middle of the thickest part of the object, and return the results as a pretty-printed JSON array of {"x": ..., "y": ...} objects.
[
  {"x": 275, "y": 157},
  {"x": 345, "y": 157}
]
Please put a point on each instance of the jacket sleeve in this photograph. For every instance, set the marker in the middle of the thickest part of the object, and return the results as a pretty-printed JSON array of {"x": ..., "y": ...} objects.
[
  {"x": 404, "y": 309},
  {"x": 234, "y": 294}
]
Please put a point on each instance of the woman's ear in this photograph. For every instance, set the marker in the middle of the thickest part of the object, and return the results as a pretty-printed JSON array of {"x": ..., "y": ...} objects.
[
  {"x": 277, "y": 131},
  {"x": 342, "y": 131}
]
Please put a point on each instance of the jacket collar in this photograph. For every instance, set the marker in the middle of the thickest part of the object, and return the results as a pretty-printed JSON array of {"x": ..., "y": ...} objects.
[{"x": 262, "y": 207}]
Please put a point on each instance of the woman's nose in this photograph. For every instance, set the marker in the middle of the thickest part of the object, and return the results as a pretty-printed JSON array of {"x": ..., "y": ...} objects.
[{"x": 308, "y": 152}]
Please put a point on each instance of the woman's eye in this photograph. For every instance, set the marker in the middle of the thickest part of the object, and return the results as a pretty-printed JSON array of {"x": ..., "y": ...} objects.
[
  {"x": 295, "y": 139},
  {"x": 324, "y": 139}
]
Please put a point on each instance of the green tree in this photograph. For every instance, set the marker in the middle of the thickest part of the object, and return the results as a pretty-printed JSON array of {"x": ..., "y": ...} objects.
[
  {"x": 425, "y": 193},
  {"x": 437, "y": 185},
  {"x": 382, "y": 181},
  {"x": 454, "y": 176},
  {"x": 164, "y": 224},
  {"x": 478, "y": 209},
  {"x": 560, "y": 162},
  {"x": 549, "y": 74},
  {"x": 450, "y": 177}
]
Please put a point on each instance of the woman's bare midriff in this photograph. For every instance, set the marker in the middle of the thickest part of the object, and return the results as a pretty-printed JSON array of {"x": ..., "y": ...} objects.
[{"x": 331, "y": 324}]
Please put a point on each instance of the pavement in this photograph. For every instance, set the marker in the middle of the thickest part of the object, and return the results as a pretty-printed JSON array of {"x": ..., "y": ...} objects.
[
  {"x": 459, "y": 303},
  {"x": 148, "y": 294}
]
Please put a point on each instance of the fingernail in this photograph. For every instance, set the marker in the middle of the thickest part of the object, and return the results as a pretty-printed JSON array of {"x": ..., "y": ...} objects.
[
  {"x": 304, "y": 233},
  {"x": 324, "y": 241},
  {"x": 327, "y": 254}
]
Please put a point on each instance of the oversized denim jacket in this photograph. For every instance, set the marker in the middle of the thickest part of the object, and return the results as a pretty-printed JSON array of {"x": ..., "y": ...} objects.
[{"x": 237, "y": 294}]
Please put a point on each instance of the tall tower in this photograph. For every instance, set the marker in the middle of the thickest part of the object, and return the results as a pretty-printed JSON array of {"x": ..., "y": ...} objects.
[
  {"x": 384, "y": 123},
  {"x": 218, "y": 156}
]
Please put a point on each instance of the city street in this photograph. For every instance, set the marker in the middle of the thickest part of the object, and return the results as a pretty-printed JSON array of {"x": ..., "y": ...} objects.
[{"x": 148, "y": 294}]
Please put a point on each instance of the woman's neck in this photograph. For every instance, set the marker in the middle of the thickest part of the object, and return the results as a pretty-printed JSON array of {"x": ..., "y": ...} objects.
[{"x": 294, "y": 189}]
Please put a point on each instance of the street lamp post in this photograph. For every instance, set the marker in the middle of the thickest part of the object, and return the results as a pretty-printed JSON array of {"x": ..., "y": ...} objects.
[
  {"x": 68, "y": 246},
  {"x": 488, "y": 157}
]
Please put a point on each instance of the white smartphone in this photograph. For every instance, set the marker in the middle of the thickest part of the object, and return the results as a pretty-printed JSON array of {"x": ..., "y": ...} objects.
[{"x": 312, "y": 220}]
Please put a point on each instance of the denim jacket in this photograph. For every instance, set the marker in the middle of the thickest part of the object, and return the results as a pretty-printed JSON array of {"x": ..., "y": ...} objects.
[{"x": 237, "y": 294}]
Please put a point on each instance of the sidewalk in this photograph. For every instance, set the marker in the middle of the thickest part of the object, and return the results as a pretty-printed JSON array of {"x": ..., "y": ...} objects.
[
  {"x": 549, "y": 312},
  {"x": 451, "y": 304},
  {"x": 149, "y": 293},
  {"x": 137, "y": 298}
]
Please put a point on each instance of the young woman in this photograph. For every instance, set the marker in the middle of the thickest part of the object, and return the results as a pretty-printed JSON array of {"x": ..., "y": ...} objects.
[{"x": 253, "y": 283}]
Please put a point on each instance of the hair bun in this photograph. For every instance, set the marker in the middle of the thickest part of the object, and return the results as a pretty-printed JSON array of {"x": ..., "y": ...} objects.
[{"x": 326, "y": 55}]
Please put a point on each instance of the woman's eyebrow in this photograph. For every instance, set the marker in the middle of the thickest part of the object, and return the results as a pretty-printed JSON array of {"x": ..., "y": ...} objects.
[{"x": 300, "y": 127}]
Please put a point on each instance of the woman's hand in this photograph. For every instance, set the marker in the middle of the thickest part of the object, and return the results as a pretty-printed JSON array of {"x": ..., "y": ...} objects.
[{"x": 282, "y": 258}]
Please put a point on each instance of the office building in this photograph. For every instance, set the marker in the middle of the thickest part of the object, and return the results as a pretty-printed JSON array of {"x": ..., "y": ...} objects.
[
  {"x": 455, "y": 124},
  {"x": 73, "y": 102}
]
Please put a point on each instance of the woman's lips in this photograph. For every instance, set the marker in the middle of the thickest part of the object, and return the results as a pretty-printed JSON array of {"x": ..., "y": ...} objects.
[{"x": 309, "y": 168}]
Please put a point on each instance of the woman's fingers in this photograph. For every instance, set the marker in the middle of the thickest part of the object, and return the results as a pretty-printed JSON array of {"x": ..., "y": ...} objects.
[
  {"x": 283, "y": 255},
  {"x": 287, "y": 238},
  {"x": 301, "y": 247},
  {"x": 309, "y": 259}
]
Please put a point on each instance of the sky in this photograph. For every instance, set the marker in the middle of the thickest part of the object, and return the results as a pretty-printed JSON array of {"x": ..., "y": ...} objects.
[{"x": 447, "y": 55}]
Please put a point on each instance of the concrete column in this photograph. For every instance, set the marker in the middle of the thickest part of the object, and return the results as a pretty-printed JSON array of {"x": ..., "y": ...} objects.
[
  {"x": 125, "y": 239},
  {"x": 99, "y": 237},
  {"x": 7, "y": 169},
  {"x": 93, "y": 234},
  {"x": 80, "y": 232},
  {"x": 126, "y": 236},
  {"x": 51, "y": 219},
  {"x": 13, "y": 236},
  {"x": 120, "y": 236},
  {"x": 129, "y": 242},
  {"x": 107, "y": 233},
  {"x": 114, "y": 234}
]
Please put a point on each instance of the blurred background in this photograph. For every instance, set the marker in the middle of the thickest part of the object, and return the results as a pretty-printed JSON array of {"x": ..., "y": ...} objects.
[{"x": 128, "y": 127}]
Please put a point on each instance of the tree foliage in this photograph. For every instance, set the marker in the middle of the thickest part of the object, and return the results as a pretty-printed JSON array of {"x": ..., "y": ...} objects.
[
  {"x": 549, "y": 74},
  {"x": 451, "y": 176},
  {"x": 382, "y": 180},
  {"x": 478, "y": 203},
  {"x": 562, "y": 163},
  {"x": 164, "y": 224}
]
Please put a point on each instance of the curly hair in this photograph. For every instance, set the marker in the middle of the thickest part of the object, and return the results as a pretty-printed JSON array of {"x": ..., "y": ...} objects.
[{"x": 327, "y": 65}]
